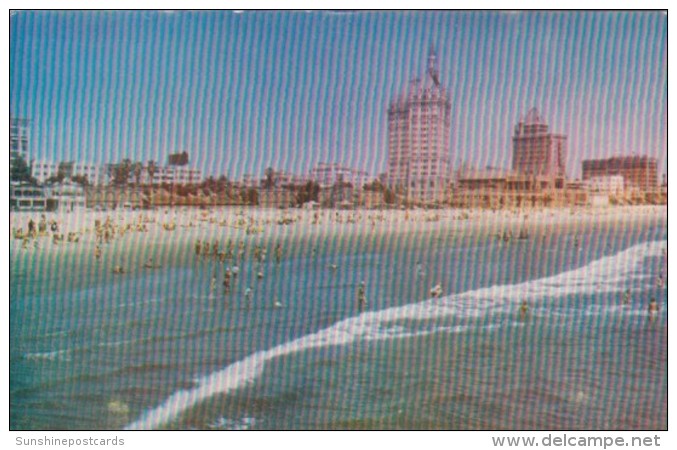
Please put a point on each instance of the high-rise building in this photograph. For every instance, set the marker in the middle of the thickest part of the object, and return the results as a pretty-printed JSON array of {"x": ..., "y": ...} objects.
[
  {"x": 640, "y": 172},
  {"x": 419, "y": 127},
  {"x": 18, "y": 138},
  {"x": 536, "y": 151}
]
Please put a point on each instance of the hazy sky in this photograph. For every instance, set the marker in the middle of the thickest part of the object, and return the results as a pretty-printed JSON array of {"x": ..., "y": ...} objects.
[{"x": 241, "y": 92}]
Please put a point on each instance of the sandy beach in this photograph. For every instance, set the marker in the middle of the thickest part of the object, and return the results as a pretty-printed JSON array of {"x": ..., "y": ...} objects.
[{"x": 165, "y": 226}]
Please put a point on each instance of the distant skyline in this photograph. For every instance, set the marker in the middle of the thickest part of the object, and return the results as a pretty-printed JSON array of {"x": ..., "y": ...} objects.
[{"x": 244, "y": 91}]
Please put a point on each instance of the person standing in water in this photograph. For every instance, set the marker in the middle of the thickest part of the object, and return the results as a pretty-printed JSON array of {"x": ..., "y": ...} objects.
[
  {"x": 361, "y": 296},
  {"x": 626, "y": 297},
  {"x": 653, "y": 309},
  {"x": 524, "y": 310},
  {"x": 436, "y": 291},
  {"x": 419, "y": 269},
  {"x": 226, "y": 282},
  {"x": 212, "y": 286},
  {"x": 248, "y": 293},
  {"x": 278, "y": 254}
]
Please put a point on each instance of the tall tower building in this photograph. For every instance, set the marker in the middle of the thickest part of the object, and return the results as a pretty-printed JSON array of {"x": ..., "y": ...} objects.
[
  {"x": 536, "y": 151},
  {"x": 419, "y": 127}
]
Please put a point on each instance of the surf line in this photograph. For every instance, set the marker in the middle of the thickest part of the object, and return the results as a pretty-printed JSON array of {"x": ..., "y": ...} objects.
[{"x": 366, "y": 326}]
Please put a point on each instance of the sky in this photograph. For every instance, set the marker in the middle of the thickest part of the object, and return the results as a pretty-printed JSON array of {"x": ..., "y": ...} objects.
[{"x": 243, "y": 91}]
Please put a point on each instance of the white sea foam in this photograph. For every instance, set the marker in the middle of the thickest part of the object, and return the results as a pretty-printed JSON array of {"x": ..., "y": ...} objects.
[
  {"x": 223, "y": 423},
  {"x": 118, "y": 343},
  {"x": 58, "y": 355},
  {"x": 139, "y": 302},
  {"x": 610, "y": 274}
]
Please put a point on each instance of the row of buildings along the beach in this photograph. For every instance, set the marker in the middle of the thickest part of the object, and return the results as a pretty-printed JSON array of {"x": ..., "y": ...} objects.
[
  {"x": 101, "y": 174},
  {"x": 68, "y": 185},
  {"x": 418, "y": 169}
]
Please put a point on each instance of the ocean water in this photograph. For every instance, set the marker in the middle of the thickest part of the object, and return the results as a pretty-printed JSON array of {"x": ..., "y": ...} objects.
[{"x": 156, "y": 349}]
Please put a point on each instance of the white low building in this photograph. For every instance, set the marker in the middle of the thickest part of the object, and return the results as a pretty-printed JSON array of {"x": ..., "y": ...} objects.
[
  {"x": 609, "y": 184},
  {"x": 95, "y": 173},
  {"x": 178, "y": 175},
  {"x": 42, "y": 170},
  {"x": 27, "y": 197},
  {"x": 328, "y": 174},
  {"x": 171, "y": 175},
  {"x": 68, "y": 196}
]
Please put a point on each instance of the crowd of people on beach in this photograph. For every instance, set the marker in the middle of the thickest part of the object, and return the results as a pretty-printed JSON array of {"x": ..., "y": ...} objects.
[
  {"x": 43, "y": 228},
  {"x": 233, "y": 253}
]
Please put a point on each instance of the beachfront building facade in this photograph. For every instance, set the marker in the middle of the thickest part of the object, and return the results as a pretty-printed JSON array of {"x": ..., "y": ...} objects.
[
  {"x": 329, "y": 174},
  {"x": 610, "y": 184},
  {"x": 95, "y": 173},
  {"x": 28, "y": 197},
  {"x": 172, "y": 175},
  {"x": 497, "y": 189},
  {"x": 638, "y": 172},
  {"x": 43, "y": 170},
  {"x": 67, "y": 196},
  {"x": 537, "y": 152},
  {"x": 419, "y": 129}
]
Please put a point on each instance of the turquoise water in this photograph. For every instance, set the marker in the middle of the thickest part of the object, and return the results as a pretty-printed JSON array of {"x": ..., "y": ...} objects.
[{"x": 158, "y": 349}]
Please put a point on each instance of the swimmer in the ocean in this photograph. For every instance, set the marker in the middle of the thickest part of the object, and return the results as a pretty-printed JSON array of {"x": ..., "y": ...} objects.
[
  {"x": 361, "y": 296},
  {"x": 248, "y": 296},
  {"x": 524, "y": 310},
  {"x": 653, "y": 309},
  {"x": 436, "y": 291}
]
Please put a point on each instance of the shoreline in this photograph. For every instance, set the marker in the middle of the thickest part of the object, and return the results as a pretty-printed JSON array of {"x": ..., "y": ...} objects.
[{"x": 368, "y": 230}]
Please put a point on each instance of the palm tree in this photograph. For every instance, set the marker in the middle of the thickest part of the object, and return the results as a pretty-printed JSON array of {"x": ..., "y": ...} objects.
[
  {"x": 151, "y": 168},
  {"x": 121, "y": 172},
  {"x": 20, "y": 170},
  {"x": 269, "y": 182},
  {"x": 137, "y": 170}
]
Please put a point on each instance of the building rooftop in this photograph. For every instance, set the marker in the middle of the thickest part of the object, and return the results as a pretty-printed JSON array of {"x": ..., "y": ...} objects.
[{"x": 533, "y": 117}]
